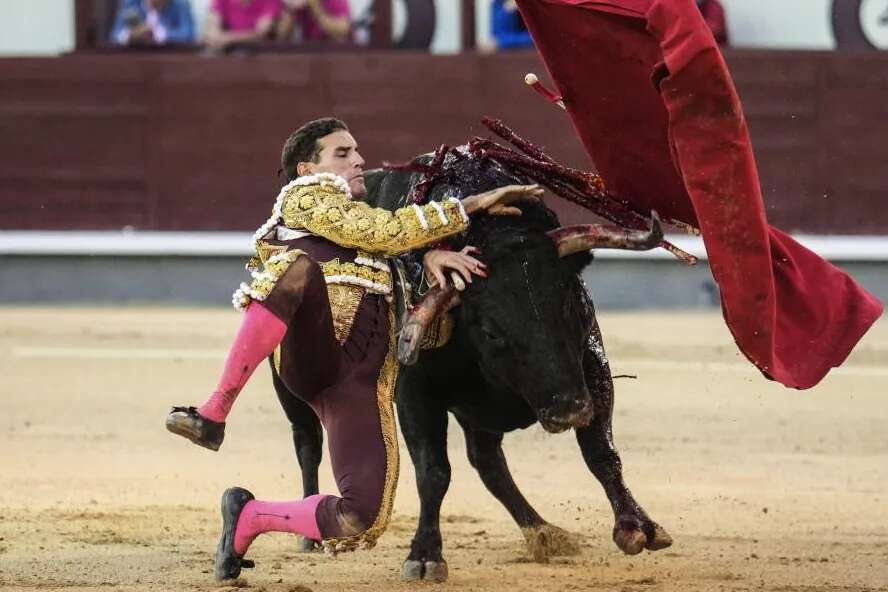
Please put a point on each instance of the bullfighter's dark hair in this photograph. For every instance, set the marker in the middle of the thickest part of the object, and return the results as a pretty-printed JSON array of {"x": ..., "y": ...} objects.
[{"x": 303, "y": 145}]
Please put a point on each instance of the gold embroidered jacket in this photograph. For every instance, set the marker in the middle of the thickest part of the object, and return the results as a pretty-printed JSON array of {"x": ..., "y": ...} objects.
[
  {"x": 322, "y": 206},
  {"x": 325, "y": 210}
]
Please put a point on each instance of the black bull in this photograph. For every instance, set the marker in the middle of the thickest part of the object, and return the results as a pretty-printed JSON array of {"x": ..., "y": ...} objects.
[{"x": 525, "y": 347}]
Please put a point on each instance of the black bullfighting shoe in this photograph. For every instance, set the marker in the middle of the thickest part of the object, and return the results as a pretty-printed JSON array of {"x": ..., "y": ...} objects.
[
  {"x": 188, "y": 423},
  {"x": 228, "y": 562}
]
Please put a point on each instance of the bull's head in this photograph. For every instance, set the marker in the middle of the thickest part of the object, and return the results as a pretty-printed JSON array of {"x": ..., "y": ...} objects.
[{"x": 530, "y": 320}]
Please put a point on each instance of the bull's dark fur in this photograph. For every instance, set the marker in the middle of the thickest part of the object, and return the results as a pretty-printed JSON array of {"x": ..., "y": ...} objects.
[{"x": 525, "y": 348}]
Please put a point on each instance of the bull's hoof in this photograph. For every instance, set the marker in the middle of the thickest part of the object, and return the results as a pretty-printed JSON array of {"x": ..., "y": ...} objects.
[
  {"x": 630, "y": 540},
  {"x": 659, "y": 540},
  {"x": 430, "y": 571},
  {"x": 411, "y": 571},
  {"x": 436, "y": 571},
  {"x": 307, "y": 545},
  {"x": 548, "y": 541}
]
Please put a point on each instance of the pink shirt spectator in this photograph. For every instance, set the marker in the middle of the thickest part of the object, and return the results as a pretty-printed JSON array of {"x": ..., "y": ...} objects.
[
  {"x": 311, "y": 30},
  {"x": 238, "y": 15}
]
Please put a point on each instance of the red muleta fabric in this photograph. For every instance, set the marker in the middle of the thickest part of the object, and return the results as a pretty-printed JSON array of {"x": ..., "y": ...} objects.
[{"x": 652, "y": 100}]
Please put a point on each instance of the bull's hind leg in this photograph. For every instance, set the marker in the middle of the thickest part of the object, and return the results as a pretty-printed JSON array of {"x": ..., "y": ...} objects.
[
  {"x": 485, "y": 451},
  {"x": 633, "y": 530},
  {"x": 424, "y": 425},
  {"x": 308, "y": 439}
]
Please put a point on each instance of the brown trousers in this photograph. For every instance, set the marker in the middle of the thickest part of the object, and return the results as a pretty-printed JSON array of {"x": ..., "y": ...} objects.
[{"x": 350, "y": 387}]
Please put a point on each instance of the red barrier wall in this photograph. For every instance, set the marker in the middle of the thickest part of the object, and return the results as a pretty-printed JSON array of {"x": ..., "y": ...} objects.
[{"x": 187, "y": 142}]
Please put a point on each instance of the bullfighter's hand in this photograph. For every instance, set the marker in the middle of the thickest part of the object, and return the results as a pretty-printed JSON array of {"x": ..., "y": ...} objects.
[
  {"x": 437, "y": 262},
  {"x": 497, "y": 201}
]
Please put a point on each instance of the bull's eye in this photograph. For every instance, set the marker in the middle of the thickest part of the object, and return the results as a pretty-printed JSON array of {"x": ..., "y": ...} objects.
[{"x": 491, "y": 337}]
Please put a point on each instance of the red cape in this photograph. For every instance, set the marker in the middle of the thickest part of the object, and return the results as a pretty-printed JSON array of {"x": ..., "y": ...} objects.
[{"x": 652, "y": 100}]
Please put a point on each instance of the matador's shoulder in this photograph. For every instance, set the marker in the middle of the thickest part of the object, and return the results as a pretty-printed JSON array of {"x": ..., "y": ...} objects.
[
  {"x": 314, "y": 193},
  {"x": 304, "y": 193},
  {"x": 315, "y": 187}
]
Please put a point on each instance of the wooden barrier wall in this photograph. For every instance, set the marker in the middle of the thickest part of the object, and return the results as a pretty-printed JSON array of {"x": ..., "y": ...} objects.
[{"x": 188, "y": 142}]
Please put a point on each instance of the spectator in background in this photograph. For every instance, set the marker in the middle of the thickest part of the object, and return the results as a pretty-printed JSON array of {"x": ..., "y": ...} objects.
[
  {"x": 231, "y": 22},
  {"x": 153, "y": 22},
  {"x": 507, "y": 27},
  {"x": 714, "y": 15},
  {"x": 314, "y": 20}
]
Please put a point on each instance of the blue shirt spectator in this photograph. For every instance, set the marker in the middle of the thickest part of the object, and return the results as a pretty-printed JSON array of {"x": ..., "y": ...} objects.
[
  {"x": 153, "y": 22},
  {"x": 507, "y": 26}
]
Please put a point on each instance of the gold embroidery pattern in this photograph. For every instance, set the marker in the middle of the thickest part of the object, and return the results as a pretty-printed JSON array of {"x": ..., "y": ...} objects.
[
  {"x": 438, "y": 332},
  {"x": 264, "y": 281},
  {"x": 266, "y": 251},
  {"x": 326, "y": 211},
  {"x": 276, "y": 359},
  {"x": 321, "y": 179},
  {"x": 385, "y": 397},
  {"x": 344, "y": 302},
  {"x": 374, "y": 280},
  {"x": 254, "y": 263}
]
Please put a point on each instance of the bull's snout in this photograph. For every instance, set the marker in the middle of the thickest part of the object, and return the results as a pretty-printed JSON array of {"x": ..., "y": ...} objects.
[{"x": 567, "y": 412}]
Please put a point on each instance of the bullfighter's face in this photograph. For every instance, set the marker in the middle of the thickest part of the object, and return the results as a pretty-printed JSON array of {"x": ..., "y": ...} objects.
[{"x": 339, "y": 155}]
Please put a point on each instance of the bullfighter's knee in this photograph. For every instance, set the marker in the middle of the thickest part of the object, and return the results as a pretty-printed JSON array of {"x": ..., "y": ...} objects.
[
  {"x": 357, "y": 515},
  {"x": 363, "y": 498},
  {"x": 302, "y": 280},
  {"x": 350, "y": 524},
  {"x": 303, "y": 277}
]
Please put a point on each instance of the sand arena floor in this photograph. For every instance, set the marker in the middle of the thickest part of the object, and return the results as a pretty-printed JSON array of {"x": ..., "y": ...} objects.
[{"x": 762, "y": 488}]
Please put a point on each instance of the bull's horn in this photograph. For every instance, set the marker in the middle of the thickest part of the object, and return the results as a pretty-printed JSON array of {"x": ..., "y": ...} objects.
[
  {"x": 574, "y": 239},
  {"x": 436, "y": 302}
]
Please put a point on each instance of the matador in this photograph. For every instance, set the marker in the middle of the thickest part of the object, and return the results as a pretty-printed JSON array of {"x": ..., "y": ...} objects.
[{"x": 319, "y": 305}]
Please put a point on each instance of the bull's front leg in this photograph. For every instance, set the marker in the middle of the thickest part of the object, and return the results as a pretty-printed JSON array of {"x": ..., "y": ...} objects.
[
  {"x": 424, "y": 426},
  {"x": 308, "y": 440},
  {"x": 633, "y": 528},
  {"x": 544, "y": 540}
]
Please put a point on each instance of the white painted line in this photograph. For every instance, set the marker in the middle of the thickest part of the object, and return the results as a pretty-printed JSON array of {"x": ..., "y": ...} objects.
[
  {"x": 239, "y": 244},
  {"x": 629, "y": 366},
  {"x": 832, "y": 248},
  {"x": 126, "y": 243},
  {"x": 117, "y": 353},
  {"x": 620, "y": 365}
]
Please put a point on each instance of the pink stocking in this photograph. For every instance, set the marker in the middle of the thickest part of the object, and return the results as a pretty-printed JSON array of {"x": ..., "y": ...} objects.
[
  {"x": 260, "y": 332},
  {"x": 257, "y": 517}
]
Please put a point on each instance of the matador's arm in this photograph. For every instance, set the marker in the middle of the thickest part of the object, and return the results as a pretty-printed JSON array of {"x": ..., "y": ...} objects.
[{"x": 327, "y": 211}]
